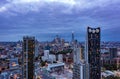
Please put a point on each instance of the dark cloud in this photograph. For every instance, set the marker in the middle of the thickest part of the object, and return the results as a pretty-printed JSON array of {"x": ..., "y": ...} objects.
[{"x": 45, "y": 21}]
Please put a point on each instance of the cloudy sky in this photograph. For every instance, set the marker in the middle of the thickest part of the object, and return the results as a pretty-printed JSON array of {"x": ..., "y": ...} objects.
[{"x": 45, "y": 19}]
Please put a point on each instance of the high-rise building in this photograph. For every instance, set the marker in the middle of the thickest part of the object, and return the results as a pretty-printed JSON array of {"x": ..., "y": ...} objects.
[
  {"x": 79, "y": 67},
  {"x": 82, "y": 55},
  {"x": 113, "y": 52},
  {"x": 28, "y": 57},
  {"x": 78, "y": 71},
  {"x": 72, "y": 36},
  {"x": 36, "y": 48},
  {"x": 93, "y": 52},
  {"x": 77, "y": 55}
]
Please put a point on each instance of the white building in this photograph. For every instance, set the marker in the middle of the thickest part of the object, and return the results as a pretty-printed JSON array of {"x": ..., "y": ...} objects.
[
  {"x": 55, "y": 67},
  {"x": 80, "y": 68},
  {"x": 46, "y": 55},
  {"x": 52, "y": 57},
  {"x": 60, "y": 58}
]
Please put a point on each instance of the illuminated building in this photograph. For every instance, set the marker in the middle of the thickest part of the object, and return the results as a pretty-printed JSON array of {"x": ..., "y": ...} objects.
[
  {"x": 93, "y": 51},
  {"x": 28, "y": 57}
]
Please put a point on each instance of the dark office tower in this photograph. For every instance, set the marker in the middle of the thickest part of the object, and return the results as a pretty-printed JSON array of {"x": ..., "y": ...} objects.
[
  {"x": 93, "y": 50},
  {"x": 28, "y": 57},
  {"x": 113, "y": 52}
]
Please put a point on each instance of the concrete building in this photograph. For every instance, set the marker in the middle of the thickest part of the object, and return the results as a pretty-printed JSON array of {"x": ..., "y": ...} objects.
[
  {"x": 46, "y": 55},
  {"x": 79, "y": 67},
  {"x": 113, "y": 52},
  {"x": 78, "y": 71},
  {"x": 52, "y": 58},
  {"x": 36, "y": 48},
  {"x": 60, "y": 58},
  {"x": 117, "y": 61},
  {"x": 56, "y": 67}
]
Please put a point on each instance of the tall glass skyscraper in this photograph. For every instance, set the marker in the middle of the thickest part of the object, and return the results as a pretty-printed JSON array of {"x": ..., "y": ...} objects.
[
  {"x": 28, "y": 57},
  {"x": 93, "y": 52}
]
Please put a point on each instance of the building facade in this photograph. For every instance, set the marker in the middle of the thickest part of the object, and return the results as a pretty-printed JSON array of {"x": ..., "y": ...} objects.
[
  {"x": 80, "y": 67},
  {"x": 78, "y": 71},
  {"x": 28, "y": 57},
  {"x": 93, "y": 50},
  {"x": 113, "y": 52},
  {"x": 36, "y": 48}
]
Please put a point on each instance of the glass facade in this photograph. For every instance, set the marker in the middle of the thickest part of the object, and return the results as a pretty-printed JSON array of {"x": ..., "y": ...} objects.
[
  {"x": 28, "y": 57},
  {"x": 93, "y": 38}
]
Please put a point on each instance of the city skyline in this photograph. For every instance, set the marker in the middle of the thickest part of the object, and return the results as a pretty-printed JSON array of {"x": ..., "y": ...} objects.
[
  {"x": 48, "y": 18},
  {"x": 59, "y": 59}
]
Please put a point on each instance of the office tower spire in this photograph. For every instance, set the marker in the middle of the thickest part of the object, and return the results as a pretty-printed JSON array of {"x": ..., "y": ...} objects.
[{"x": 72, "y": 36}]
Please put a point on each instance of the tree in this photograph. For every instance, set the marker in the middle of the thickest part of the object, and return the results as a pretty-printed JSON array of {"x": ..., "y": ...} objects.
[
  {"x": 110, "y": 66},
  {"x": 43, "y": 64}
]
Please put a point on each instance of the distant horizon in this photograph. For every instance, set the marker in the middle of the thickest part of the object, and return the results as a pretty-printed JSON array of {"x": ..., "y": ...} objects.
[{"x": 61, "y": 38}]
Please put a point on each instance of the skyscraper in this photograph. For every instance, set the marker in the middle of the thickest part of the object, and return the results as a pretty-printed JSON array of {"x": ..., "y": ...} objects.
[
  {"x": 79, "y": 67},
  {"x": 72, "y": 36},
  {"x": 36, "y": 48},
  {"x": 93, "y": 52},
  {"x": 28, "y": 57},
  {"x": 73, "y": 40}
]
